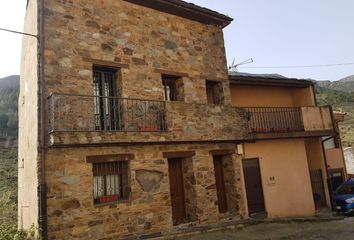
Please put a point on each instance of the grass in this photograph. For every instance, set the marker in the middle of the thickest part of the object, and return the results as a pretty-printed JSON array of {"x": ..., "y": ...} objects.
[{"x": 8, "y": 198}]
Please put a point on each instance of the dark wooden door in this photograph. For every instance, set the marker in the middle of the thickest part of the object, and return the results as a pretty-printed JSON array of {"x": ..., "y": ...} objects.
[
  {"x": 253, "y": 183},
  {"x": 220, "y": 184},
  {"x": 177, "y": 190}
]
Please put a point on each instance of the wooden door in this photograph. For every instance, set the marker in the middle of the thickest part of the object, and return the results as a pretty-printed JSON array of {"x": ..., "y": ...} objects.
[
  {"x": 220, "y": 184},
  {"x": 253, "y": 183},
  {"x": 177, "y": 190}
]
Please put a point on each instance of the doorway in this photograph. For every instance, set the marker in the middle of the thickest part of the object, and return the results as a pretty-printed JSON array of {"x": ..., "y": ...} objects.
[
  {"x": 220, "y": 183},
  {"x": 253, "y": 184},
  {"x": 337, "y": 178},
  {"x": 177, "y": 190}
]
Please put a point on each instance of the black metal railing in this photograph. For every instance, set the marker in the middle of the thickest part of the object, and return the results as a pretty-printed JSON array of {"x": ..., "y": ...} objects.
[
  {"x": 274, "y": 120},
  {"x": 69, "y": 112}
]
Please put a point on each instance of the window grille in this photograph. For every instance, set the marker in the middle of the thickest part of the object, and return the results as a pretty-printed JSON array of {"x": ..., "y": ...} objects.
[{"x": 110, "y": 182}]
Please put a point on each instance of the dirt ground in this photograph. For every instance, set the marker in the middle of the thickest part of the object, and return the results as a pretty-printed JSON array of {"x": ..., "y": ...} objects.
[{"x": 331, "y": 230}]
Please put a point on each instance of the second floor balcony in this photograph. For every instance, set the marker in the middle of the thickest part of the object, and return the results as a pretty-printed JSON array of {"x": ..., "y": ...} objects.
[
  {"x": 267, "y": 122},
  {"x": 81, "y": 119}
]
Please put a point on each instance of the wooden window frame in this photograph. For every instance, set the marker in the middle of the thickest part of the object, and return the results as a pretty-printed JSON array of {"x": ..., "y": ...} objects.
[
  {"x": 211, "y": 85},
  {"x": 171, "y": 82}
]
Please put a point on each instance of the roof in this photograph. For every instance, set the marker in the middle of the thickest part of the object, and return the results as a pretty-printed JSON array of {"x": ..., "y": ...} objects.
[
  {"x": 186, "y": 10},
  {"x": 267, "y": 80},
  {"x": 339, "y": 116}
]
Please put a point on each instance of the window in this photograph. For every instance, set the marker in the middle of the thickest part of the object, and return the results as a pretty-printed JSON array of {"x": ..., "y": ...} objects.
[
  {"x": 214, "y": 92},
  {"x": 211, "y": 92},
  {"x": 106, "y": 105},
  {"x": 110, "y": 182},
  {"x": 172, "y": 87}
]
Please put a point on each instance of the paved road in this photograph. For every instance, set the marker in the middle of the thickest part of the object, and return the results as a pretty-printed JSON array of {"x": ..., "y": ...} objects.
[{"x": 332, "y": 230}]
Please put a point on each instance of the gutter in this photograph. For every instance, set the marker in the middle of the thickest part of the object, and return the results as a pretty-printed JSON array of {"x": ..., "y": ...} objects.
[{"x": 42, "y": 187}]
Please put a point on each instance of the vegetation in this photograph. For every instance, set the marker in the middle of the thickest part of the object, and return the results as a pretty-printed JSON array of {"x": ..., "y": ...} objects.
[
  {"x": 8, "y": 198},
  {"x": 9, "y": 89},
  {"x": 343, "y": 102}
]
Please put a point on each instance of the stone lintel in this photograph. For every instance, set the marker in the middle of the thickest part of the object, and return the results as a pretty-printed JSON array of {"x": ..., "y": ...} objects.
[
  {"x": 173, "y": 73},
  {"x": 222, "y": 152},
  {"x": 180, "y": 154},
  {"x": 109, "y": 158},
  {"x": 106, "y": 63}
]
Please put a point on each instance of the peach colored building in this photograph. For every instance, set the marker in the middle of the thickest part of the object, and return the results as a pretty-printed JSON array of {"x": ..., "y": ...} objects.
[{"x": 287, "y": 129}]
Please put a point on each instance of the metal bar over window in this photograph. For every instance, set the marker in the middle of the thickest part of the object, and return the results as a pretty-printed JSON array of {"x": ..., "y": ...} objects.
[{"x": 110, "y": 182}]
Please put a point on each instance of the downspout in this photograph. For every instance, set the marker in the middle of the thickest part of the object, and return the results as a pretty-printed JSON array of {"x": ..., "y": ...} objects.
[{"x": 42, "y": 188}]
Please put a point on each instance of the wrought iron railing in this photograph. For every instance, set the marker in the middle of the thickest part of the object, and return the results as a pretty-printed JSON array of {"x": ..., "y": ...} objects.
[
  {"x": 274, "y": 119},
  {"x": 69, "y": 112}
]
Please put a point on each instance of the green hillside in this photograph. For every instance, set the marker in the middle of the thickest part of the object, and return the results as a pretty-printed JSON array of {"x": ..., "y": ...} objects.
[
  {"x": 9, "y": 90},
  {"x": 343, "y": 102}
]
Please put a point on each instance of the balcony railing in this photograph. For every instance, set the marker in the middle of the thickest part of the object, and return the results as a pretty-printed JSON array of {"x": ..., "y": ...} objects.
[
  {"x": 274, "y": 120},
  {"x": 96, "y": 113}
]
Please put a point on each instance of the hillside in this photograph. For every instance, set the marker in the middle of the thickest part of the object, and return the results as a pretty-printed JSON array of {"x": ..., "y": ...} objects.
[
  {"x": 344, "y": 85},
  {"x": 9, "y": 90},
  {"x": 343, "y": 102}
]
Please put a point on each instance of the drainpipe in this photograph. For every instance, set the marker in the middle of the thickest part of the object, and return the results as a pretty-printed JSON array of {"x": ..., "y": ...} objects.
[{"x": 42, "y": 187}]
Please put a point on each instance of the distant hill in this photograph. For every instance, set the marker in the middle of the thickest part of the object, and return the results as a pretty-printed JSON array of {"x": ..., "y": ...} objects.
[
  {"x": 10, "y": 82},
  {"x": 9, "y": 90},
  {"x": 345, "y": 84},
  {"x": 332, "y": 93}
]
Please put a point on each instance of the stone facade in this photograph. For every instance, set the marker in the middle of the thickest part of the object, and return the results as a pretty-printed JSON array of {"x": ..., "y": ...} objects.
[
  {"x": 81, "y": 32},
  {"x": 73, "y": 215},
  {"x": 143, "y": 44}
]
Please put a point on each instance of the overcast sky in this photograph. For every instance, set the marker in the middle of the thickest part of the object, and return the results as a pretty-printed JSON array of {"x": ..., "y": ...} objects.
[{"x": 273, "y": 32}]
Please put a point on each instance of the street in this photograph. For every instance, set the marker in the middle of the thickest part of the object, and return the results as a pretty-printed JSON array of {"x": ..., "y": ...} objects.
[{"x": 329, "y": 230}]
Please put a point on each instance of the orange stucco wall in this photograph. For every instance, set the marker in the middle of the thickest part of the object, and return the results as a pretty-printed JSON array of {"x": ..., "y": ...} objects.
[
  {"x": 316, "y": 161},
  {"x": 262, "y": 96},
  {"x": 285, "y": 160}
]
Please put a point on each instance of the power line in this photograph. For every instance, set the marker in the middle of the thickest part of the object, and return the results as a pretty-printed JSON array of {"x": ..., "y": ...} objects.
[
  {"x": 307, "y": 66},
  {"x": 12, "y": 31}
]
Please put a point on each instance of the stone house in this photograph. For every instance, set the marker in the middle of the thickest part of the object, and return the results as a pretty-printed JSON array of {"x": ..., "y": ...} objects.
[{"x": 131, "y": 126}]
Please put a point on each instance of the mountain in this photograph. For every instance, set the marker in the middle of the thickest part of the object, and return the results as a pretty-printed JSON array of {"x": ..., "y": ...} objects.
[
  {"x": 10, "y": 82},
  {"x": 346, "y": 84},
  {"x": 330, "y": 93}
]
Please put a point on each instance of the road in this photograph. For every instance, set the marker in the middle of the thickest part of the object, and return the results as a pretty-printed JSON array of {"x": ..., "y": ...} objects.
[{"x": 331, "y": 230}]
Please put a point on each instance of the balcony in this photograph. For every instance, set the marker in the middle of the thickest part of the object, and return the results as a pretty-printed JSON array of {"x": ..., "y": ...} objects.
[
  {"x": 77, "y": 113},
  {"x": 81, "y": 120},
  {"x": 268, "y": 122}
]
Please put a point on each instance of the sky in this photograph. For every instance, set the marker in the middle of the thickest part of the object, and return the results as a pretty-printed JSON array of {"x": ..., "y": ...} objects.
[{"x": 274, "y": 33}]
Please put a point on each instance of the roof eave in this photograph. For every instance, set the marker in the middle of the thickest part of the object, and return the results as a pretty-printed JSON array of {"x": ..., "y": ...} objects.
[
  {"x": 186, "y": 10},
  {"x": 270, "y": 81}
]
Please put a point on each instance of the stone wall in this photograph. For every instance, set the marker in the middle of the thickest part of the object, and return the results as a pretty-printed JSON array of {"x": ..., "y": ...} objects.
[
  {"x": 141, "y": 40},
  {"x": 72, "y": 214},
  {"x": 28, "y": 124}
]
